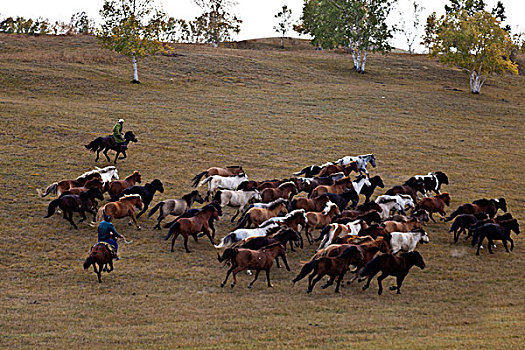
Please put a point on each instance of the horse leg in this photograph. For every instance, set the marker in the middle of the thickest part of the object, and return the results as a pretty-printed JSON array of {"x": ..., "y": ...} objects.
[
  {"x": 116, "y": 157},
  {"x": 175, "y": 235},
  {"x": 210, "y": 223},
  {"x": 70, "y": 218},
  {"x": 490, "y": 245},
  {"x": 367, "y": 284},
  {"x": 480, "y": 241},
  {"x": 430, "y": 215},
  {"x": 132, "y": 214},
  {"x": 186, "y": 242},
  {"x": 208, "y": 233},
  {"x": 105, "y": 152},
  {"x": 235, "y": 272},
  {"x": 99, "y": 273},
  {"x": 227, "y": 275},
  {"x": 505, "y": 245},
  {"x": 233, "y": 217},
  {"x": 329, "y": 283},
  {"x": 308, "y": 235},
  {"x": 195, "y": 238},
  {"x": 277, "y": 262},
  {"x": 339, "y": 281},
  {"x": 83, "y": 214},
  {"x": 124, "y": 156},
  {"x": 255, "y": 278},
  {"x": 146, "y": 206},
  {"x": 98, "y": 154},
  {"x": 110, "y": 263},
  {"x": 268, "y": 278},
  {"x": 379, "y": 280},
  {"x": 317, "y": 279},
  {"x": 511, "y": 243},
  {"x": 399, "y": 281}
]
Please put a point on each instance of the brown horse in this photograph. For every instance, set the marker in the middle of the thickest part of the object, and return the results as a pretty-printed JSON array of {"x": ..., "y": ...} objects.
[
  {"x": 82, "y": 203},
  {"x": 242, "y": 259},
  {"x": 336, "y": 168},
  {"x": 316, "y": 220},
  {"x": 411, "y": 189},
  {"x": 335, "y": 267},
  {"x": 434, "y": 204},
  {"x": 487, "y": 206},
  {"x": 117, "y": 186},
  {"x": 99, "y": 255},
  {"x": 93, "y": 183},
  {"x": 361, "y": 210},
  {"x": 406, "y": 226},
  {"x": 286, "y": 190},
  {"x": 125, "y": 206},
  {"x": 392, "y": 265},
  {"x": 420, "y": 214},
  {"x": 193, "y": 225},
  {"x": 228, "y": 171},
  {"x": 374, "y": 230},
  {"x": 338, "y": 187},
  {"x": 61, "y": 186},
  {"x": 312, "y": 204},
  {"x": 257, "y": 216}
]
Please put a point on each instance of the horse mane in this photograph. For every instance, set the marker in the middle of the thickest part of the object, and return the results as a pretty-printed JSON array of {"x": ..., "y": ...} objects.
[
  {"x": 135, "y": 173},
  {"x": 187, "y": 196},
  {"x": 234, "y": 167},
  {"x": 294, "y": 213},
  {"x": 274, "y": 205},
  {"x": 88, "y": 174},
  {"x": 106, "y": 169},
  {"x": 360, "y": 177},
  {"x": 287, "y": 184},
  {"x": 483, "y": 201},
  {"x": 366, "y": 206},
  {"x": 272, "y": 245},
  {"x": 343, "y": 180},
  {"x": 383, "y": 200},
  {"x": 129, "y": 196}
]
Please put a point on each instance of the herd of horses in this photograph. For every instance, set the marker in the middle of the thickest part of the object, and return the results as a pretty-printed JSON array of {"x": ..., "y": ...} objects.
[{"x": 364, "y": 239}]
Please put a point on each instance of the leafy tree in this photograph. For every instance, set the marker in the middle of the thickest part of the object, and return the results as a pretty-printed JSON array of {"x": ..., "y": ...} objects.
[
  {"x": 216, "y": 24},
  {"x": 81, "y": 24},
  {"x": 499, "y": 12},
  {"x": 359, "y": 25},
  {"x": 411, "y": 29},
  {"x": 284, "y": 18},
  {"x": 470, "y": 6},
  {"x": 20, "y": 25},
  {"x": 475, "y": 43},
  {"x": 132, "y": 28},
  {"x": 430, "y": 31},
  {"x": 176, "y": 30}
]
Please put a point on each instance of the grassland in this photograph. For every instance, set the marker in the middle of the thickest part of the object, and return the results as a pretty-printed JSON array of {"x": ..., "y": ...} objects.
[{"x": 273, "y": 111}]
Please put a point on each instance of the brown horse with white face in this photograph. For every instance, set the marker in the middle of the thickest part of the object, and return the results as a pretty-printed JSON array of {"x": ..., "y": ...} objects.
[
  {"x": 116, "y": 187},
  {"x": 286, "y": 190},
  {"x": 124, "y": 207},
  {"x": 228, "y": 171}
]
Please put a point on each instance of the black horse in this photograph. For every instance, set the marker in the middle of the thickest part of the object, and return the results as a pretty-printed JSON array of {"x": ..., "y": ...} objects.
[
  {"x": 107, "y": 143},
  {"x": 146, "y": 192},
  {"x": 341, "y": 200},
  {"x": 367, "y": 191},
  {"x": 493, "y": 232},
  {"x": 81, "y": 203}
]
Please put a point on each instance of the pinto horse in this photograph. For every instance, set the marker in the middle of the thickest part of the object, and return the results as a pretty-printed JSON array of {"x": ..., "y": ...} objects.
[
  {"x": 296, "y": 220},
  {"x": 286, "y": 190},
  {"x": 431, "y": 181},
  {"x": 192, "y": 226},
  {"x": 391, "y": 265},
  {"x": 125, "y": 206},
  {"x": 434, "y": 204},
  {"x": 242, "y": 259},
  {"x": 116, "y": 187},
  {"x": 107, "y": 143},
  {"x": 228, "y": 171},
  {"x": 81, "y": 203},
  {"x": 101, "y": 256},
  {"x": 487, "y": 206},
  {"x": 367, "y": 190},
  {"x": 361, "y": 160}
]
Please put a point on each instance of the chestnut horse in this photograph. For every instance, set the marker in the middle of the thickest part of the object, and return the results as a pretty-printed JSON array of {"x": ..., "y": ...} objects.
[
  {"x": 434, "y": 204},
  {"x": 257, "y": 216},
  {"x": 242, "y": 259},
  {"x": 406, "y": 226},
  {"x": 338, "y": 187},
  {"x": 316, "y": 220},
  {"x": 99, "y": 255},
  {"x": 193, "y": 225},
  {"x": 312, "y": 204},
  {"x": 487, "y": 206},
  {"x": 228, "y": 171},
  {"x": 286, "y": 190},
  {"x": 336, "y": 168},
  {"x": 125, "y": 206},
  {"x": 93, "y": 183},
  {"x": 411, "y": 189},
  {"x": 61, "y": 186},
  {"x": 116, "y": 187}
]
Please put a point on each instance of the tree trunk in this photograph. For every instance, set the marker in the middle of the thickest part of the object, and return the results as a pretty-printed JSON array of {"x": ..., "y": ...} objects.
[
  {"x": 282, "y": 42},
  {"x": 356, "y": 66},
  {"x": 362, "y": 68},
  {"x": 135, "y": 71},
  {"x": 475, "y": 82},
  {"x": 354, "y": 59}
]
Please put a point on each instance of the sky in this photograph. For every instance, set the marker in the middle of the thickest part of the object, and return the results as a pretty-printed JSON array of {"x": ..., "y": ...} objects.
[{"x": 257, "y": 15}]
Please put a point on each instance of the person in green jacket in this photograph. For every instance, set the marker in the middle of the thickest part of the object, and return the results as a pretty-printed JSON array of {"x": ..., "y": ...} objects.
[{"x": 117, "y": 132}]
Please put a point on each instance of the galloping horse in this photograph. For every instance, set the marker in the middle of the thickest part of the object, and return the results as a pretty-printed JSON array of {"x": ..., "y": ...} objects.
[
  {"x": 434, "y": 204},
  {"x": 81, "y": 203},
  {"x": 175, "y": 206},
  {"x": 116, "y": 187},
  {"x": 228, "y": 171},
  {"x": 257, "y": 216},
  {"x": 146, "y": 193},
  {"x": 93, "y": 183},
  {"x": 487, "y": 206},
  {"x": 361, "y": 161},
  {"x": 107, "y": 143},
  {"x": 99, "y": 255},
  {"x": 286, "y": 190},
  {"x": 105, "y": 174},
  {"x": 124, "y": 207},
  {"x": 336, "y": 168}
]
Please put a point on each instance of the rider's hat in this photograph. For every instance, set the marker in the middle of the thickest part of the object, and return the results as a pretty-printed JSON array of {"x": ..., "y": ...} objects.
[
  {"x": 121, "y": 120},
  {"x": 107, "y": 218}
]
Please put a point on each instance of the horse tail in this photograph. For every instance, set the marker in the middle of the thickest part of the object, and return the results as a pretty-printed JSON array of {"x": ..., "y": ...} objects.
[
  {"x": 217, "y": 196},
  {"x": 51, "y": 189},
  {"x": 155, "y": 208},
  {"x": 228, "y": 254},
  {"x": 52, "y": 207},
  {"x": 206, "y": 180},
  {"x": 455, "y": 226},
  {"x": 94, "y": 145},
  {"x": 174, "y": 227},
  {"x": 453, "y": 215},
  {"x": 306, "y": 269},
  {"x": 373, "y": 266},
  {"x": 390, "y": 192},
  {"x": 168, "y": 224},
  {"x": 226, "y": 241},
  {"x": 246, "y": 220},
  {"x": 198, "y": 177},
  {"x": 323, "y": 233}
]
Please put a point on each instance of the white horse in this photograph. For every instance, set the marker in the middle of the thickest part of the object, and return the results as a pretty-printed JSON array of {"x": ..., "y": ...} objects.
[
  {"x": 243, "y": 233},
  {"x": 236, "y": 199},
  {"x": 387, "y": 206},
  {"x": 223, "y": 182},
  {"x": 360, "y": 182},
  {"x": 362, "y": 161},
  {"x": 108, "y": 173},
  {"x": 404, "y": 200},
  {"x": 407, "y": 241},
  {"x": 332, "y": 231},
  {"x": 282, "y": 219}
]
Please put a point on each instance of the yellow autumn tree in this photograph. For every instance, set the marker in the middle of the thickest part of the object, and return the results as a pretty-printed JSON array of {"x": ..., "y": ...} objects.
[
  {"x": 132, "y": 28},
  {"x": 475, "y": 43}
]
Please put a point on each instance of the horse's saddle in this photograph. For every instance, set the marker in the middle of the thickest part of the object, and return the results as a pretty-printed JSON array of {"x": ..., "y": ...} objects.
[{"x": 108, "y": 246}]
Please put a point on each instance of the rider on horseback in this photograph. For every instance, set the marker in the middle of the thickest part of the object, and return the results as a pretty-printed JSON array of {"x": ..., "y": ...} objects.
[
  {"x": 108, "y": 234},
  {"x": 117, "y": 134}
]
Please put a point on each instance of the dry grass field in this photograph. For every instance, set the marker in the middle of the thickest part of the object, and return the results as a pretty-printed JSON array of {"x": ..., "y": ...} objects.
[{"x": 273, "y": 111}]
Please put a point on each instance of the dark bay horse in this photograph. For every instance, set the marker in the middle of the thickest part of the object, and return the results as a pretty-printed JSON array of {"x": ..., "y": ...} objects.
[
  {"x": 493, "y": 232},
  {"x": 487, "y": 206},
  {"x": 99, "y": 255},
  {"x": 82, "y": 203},
  {"x": 116, "y": 187},
  {"x": 434, "y": 204},
  {"x": 107, "y": 143},
  {"x": 146, "y": 193}
]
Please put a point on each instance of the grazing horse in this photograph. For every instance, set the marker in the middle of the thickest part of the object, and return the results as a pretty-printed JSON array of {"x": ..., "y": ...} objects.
[
  {"x": 228, "y": 171},
  {"x": 431, "y": 181},
  {"x": 125, "y": 206},
  {"x": 192, "y": 226},
  {"x": 175, "y": 206},
  {"x": 104, "y": 174},
  {"x": 236, "y": 199},
  {"x": 407, "y": 241},
  {"x": 312, "y": 204},
  {"x": 464, "y": 222},
  {"x": 146, "y": 193},
  {"x": 80, "y": 203},
  {"x": 493, "y": 232},
  {"x": 244, "y": 233},
  {"x": 101, "y": 256},
  {"x": 406, "y": 226},
  {"x": 257, "y": 216},
  {"x": 361, "y": 161},
  {"x": 335, "y": 168},
  {"x": 368, "y": 191},
  {"x": 334, "y": 231},
  {"x": 216, "y": 182},
  {"x": 93, "y": 183},
  {"x": 242, "y": 259},
  {"x": 116, "y": 187},
  {"x": 316, "y": 220},
  {"x": 335, "y": 267},
  {"x": 286, "y": 190},
  {"x": 107, "y": 143},
  {"x": 487, "y": 206},
  {"x": 434, "y": 204},
  {"x": 391, "y": 265}
]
